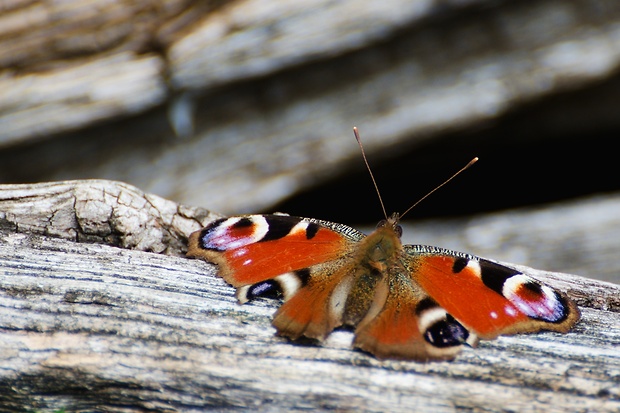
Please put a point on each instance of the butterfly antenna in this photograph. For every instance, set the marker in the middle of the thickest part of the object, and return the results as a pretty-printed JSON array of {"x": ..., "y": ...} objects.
[
  {"x": 473, "y": 161},
  {"x": 374, "y": 182}
]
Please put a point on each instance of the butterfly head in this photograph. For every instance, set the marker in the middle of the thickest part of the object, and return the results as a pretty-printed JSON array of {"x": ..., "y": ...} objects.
[{"x": 392, "y": 223}]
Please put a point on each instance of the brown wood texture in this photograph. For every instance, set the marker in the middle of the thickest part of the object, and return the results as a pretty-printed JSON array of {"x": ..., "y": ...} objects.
[{"x": 91, "y": 327}]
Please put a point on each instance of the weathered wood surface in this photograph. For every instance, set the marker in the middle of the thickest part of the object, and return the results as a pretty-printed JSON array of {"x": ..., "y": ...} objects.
[
  {"x": 100, "y": 211},
  {"x": 264, "y": 94},
  {"x": 93, "y": 327}
]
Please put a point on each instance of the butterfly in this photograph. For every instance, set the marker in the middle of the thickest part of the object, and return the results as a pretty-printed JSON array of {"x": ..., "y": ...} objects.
[{"x": 410, "y": 302}]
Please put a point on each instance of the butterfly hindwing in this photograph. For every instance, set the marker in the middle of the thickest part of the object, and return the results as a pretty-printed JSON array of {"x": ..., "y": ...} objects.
[
  {"x": 319, "y": 305},
  {"x": 411, "y": 325}
]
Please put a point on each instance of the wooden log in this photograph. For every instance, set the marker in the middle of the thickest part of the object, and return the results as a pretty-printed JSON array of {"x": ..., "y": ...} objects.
[{"x": 94, "y": 327}]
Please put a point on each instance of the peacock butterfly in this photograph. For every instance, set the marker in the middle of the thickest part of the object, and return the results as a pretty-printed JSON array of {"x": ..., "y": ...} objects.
[{"x": 404, "y": 301}]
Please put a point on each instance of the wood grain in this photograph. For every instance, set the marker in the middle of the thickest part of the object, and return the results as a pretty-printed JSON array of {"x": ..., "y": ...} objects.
[
  {"x": 89, "y": 327},
  {"x": 578, "y": 237},
  {"x": 100, "y": 211}
]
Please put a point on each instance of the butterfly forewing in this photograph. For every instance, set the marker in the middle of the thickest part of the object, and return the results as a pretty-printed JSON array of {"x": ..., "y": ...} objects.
[{"x": 254, "y": 248}]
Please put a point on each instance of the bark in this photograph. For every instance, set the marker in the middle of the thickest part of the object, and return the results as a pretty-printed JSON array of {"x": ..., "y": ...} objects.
[{"x": 92, "y": 327}]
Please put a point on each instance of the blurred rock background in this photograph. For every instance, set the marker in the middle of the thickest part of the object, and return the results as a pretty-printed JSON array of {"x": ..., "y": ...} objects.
[{"x": 248, "y": 106}]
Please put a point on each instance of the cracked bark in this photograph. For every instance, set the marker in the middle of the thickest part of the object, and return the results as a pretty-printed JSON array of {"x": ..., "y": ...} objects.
[
  {"x": 93, "y": 327},
  {"x": 100, "y": 211}
]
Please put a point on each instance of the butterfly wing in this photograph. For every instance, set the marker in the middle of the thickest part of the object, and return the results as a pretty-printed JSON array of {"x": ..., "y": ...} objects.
[
  {"x": 488, "y": 298},
  {"x": 253, "y": 248},
  {"x": 306, "y": 261},
  {"x": 437, "y": 300},
  {"x": 410, "y": 325}
]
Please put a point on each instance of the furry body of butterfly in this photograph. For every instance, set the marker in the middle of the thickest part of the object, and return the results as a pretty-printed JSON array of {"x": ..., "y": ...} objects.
[{"x": 404, "y": 301}]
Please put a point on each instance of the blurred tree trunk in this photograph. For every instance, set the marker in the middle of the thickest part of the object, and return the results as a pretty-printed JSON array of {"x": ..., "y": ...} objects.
[{"x": 240, "y": 104}]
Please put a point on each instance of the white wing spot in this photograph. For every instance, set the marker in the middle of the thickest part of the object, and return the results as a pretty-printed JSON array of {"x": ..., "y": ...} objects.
[
  {"x": 301, "y": 226},
  {"x": 475, "y": 267},
  {"x": 290, "y": 284},
  {"x": 510, "y": 310},
  {"x": 429, "y": 317},
  {"x": 240, "y": 252}
]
